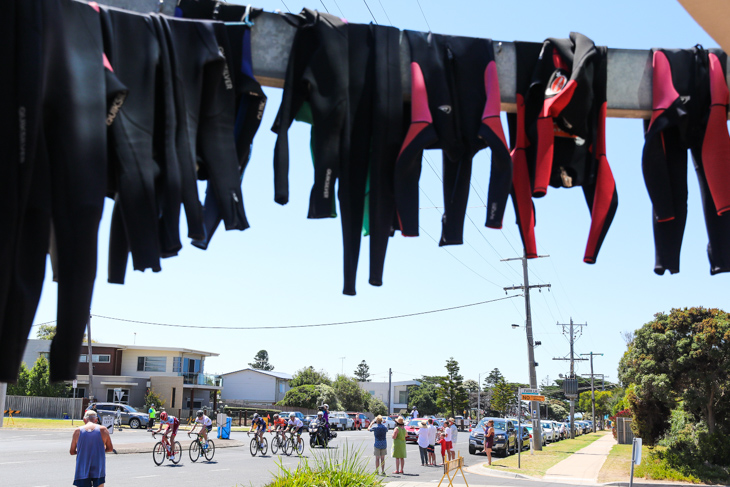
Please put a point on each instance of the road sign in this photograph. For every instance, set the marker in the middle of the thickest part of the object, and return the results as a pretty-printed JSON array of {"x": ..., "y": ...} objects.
[
  {"x": 533, "y": 397},
  {"x": 75, "y": 384},
  {"x": 108, "y": 421},
  {"x": 529, "y": 391}
]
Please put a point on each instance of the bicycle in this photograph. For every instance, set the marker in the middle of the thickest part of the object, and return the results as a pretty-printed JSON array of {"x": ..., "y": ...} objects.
[
  {"x": 197, "y": 446},
  {"x": 258, "y": 445},
  {"x": 277, "y": 441},
  {"x": 291, "y": 445},
  {"x": 162, "y": 449}
]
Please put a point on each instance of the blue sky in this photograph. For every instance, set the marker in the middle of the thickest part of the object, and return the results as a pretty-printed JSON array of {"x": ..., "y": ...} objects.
[{"x": 287, "y": 270}]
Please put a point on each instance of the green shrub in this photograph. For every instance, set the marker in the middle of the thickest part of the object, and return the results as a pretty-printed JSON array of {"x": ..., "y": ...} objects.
[{"x": 329, "y": 468}]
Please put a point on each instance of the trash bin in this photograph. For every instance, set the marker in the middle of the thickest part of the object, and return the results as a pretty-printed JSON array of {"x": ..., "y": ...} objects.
[
  {"x": 224, "y": 432},
  {"x": 65, "y": 416}
]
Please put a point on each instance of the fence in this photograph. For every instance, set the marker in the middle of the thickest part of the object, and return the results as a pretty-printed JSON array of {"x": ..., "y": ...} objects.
[
  {"x": 624, "y": 435},
  {"x": 45, "y": 407}
]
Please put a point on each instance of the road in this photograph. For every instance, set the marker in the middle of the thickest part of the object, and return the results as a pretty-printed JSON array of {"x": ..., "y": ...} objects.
[{"x": 35, "y": 458}]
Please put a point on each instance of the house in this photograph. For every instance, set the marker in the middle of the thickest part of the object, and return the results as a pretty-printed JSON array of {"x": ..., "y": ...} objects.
[
  {"x": 256, "y": 386},
  {"x": 398, "y": 393},
  {"x": 124, "y": 373}
]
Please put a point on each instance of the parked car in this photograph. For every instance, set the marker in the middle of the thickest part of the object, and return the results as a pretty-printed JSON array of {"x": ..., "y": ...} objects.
[
  {"x": 388, "y": 421},
  {"x": 361, "y": 421},
  {"x": 548, "y": 431},
  {"x": 414, "y": 425},
  {"x": 505, "y": 437},
  {"x": 285, "y": 415},
  {"x": 131, "y": 416},
  {"x": 341, "y": 421},
  {"x": 543, "y": 440}
]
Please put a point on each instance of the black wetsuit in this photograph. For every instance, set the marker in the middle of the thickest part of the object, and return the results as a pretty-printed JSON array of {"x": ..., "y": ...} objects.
[
  {"x": 61, "y": 173},
  {"x": 455, "y": 104},
  {"x": 690, "y": 101},
  {"x": 560, "y": 132}
]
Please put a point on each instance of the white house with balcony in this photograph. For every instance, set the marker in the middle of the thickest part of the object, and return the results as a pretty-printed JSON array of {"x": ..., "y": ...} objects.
[
  {"x": 176, "y": 374},
  {"x": 398, "y": 393},
  {"x": 256, "y": 386}
]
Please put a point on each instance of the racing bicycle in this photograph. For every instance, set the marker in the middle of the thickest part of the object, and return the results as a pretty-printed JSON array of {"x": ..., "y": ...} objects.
[
  {"x": 162, "y": 449},
  {"x": 258, "y": 446},
  {"x": 277, "y": 441},
  {"x": 292, "y": 444},
  {"x": 197, "y": 448}
]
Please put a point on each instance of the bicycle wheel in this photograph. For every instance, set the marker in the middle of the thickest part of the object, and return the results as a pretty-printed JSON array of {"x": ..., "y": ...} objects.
[
  {"x": 264, "y": 446},
  {"x": 158, "y": 453},
  {"x": 254, "y": 447},
  {"x": 300, "y": 446},
  {"x": 210, "y": 451},
  {"x": 275, "y": 445},
  {"x": 288, "y": 446},
  {"x": 176, "y": 453},
  {"x": 194, "y": 451}
]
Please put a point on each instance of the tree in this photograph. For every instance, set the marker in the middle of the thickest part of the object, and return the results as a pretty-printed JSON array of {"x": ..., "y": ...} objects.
[
  {"x": 603, "y": 398},
  {"x": 39, "y": 383},
  {"x": 309, "y": 376},
  {"x": 349, "y": 393},
  {"x": 679, "y": 358},
  {"x": 557, "y": 410},
  {"x": 425, "y": 396},
  {"x": 502, "y": 397},
  {"x": 471, "y": 386},
  {"x": 376, "y": 406},
  {"x": 153, "y": 398},
  {"x": 47, "y": 332},
  {"x": 452, "y": 395},
  {"x": 326, "y": 395},
  {"x": 362, "y": 372},
  {"x": 261, "y": 361},
  {"x": 494, "y": 378},
  {"x": 21, "y": 387},
  {"x": 301, "y": 396}
]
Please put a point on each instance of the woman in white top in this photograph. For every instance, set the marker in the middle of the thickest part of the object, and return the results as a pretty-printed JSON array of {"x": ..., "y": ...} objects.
[{"x": 423, "y": 443}]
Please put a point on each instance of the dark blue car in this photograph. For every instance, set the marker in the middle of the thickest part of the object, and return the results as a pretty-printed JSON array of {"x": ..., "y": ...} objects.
[{"x": 505, "y": 437}]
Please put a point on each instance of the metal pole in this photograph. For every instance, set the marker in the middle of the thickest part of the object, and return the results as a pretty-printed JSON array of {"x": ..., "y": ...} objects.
[
  {"x": 593, "y": 398},
  {"x": 3, "y": 390},
  {"x": 90, "y": 356},
  {"x": 479, "y": 397},
  {"x": 519, "y": 429},
  {"x": 390, "y": 375},
  {"x": 572, "y": 376},
  {"x": 534, "y": 405},
  {"x": 633, "y": 456}
]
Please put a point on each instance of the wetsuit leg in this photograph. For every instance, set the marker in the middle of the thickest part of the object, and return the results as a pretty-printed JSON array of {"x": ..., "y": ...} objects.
[
  {"x": 388, "y": 133},
  {"x": 718, "y": 226},
  {"x": 354, "y": 170}
]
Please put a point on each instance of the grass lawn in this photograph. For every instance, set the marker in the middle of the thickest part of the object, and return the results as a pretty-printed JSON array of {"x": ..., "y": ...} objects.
[
  {"x": 618, "y": 468},
  {"x": 39, "y": 423},
  {"x": 538, "y": 463}
]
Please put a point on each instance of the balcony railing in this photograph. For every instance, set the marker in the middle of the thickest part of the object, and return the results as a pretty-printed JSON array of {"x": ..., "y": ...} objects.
[{"x": 201, "y": 379}]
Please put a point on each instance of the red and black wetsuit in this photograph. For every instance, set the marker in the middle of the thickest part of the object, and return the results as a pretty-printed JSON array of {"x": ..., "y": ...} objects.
[
  {"x": 690, "y": 101},
  {"x": 559, "y": 134}
]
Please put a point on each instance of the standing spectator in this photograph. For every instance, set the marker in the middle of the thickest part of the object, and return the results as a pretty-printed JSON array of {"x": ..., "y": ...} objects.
[
  {"x": 414, "y": 413},
  {"x": 423, "y": 443},
  {"x": 399, "y": 445},
  {"x": 442, "y": 442},
  {"x": 90, "y": 442},
  {"x": 489, "y": 440},
  {"x": 432, "y": 431},
  {"x": 152, "y": 414},
  {"x": 454, "y": 436},
  {"x": 447, "y": 436},
  {"x": 381, "y": 442},
  {"x": 118, "y": 418}
]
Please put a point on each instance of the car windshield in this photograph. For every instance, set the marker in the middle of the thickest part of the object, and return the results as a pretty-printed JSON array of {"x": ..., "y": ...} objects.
[
  {"x": 498, "y": 425},
  {"x": 415, "y": 424},
  {"x": 131, "y": 409}
]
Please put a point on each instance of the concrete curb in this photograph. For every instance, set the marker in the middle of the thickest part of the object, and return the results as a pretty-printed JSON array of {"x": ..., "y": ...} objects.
[{"x": 478, "y": 469}]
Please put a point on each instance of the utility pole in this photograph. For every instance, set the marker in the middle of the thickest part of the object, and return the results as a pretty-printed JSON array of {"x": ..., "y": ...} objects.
[
  {"x": 593, "y": 392},
  {"x": 89, "y": 357},
  {"x": 390, "y": 377},
  {"x": 572, "y": 396},
  {"x": 534, "y": 405}
]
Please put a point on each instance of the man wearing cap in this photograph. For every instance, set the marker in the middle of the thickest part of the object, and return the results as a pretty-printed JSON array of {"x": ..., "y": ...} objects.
[
  {"x": 432, "y": 431},
  {"x": 90, "y": 442},
  {"x": 152, "y": 413}
]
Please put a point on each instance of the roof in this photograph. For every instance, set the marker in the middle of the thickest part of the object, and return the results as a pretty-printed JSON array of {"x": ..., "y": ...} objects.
[
  {"x": 139, "y": 347},
  {"x": 278, "y": 375}
]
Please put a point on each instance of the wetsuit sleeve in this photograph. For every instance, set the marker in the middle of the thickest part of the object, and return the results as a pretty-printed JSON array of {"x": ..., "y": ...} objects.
[{"x": 716, "y": 149}]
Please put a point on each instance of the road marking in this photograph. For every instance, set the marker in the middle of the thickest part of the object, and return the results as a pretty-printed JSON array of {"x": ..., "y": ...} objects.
[
  {"x": 146, "y": 476},
  {"x": 220, "y": 470},
  {"x": 12, "y": 463},
  {"x": 38, "y": 451}
]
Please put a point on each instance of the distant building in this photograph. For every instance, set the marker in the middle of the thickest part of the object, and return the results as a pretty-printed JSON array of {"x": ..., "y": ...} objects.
[
  {"x": 176, "y": 374},
  {"x": 256, "y": 386},
  {"x": 398, "y": 392}
]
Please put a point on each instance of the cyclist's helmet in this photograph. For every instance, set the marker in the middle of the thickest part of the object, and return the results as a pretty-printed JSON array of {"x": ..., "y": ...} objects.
[
  {"x": 326, "y": 406},
  {"x": 200, "y": 413},
  {"x": 276, "y": 416},
  {"x": 319, "y": 413},
  {"x": 163, "y": 416},
  {"x": 256, "y": 416},
  {"x": 292, "y": 415}
]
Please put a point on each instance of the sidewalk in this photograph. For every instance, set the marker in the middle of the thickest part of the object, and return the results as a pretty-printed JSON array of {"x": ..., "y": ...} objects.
[{"x": 582, "y": 467}]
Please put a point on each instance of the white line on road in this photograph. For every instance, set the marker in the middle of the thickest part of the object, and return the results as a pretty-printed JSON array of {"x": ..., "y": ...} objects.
[
  {"x": 220, "y": 470},
  {"x": 146, "y": 476},
  {"x": 12, "y": 463}
]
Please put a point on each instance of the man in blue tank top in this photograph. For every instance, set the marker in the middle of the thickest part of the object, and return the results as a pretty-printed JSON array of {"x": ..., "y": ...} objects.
[{"x": 90, "y": 443}]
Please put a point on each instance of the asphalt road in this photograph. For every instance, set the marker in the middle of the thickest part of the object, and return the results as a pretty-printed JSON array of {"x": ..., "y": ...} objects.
[{"x": 34, "y": 458}]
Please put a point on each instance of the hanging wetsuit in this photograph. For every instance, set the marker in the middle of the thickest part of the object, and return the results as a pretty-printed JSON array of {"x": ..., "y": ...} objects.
[
  {"x": 690, "y": 102},
  {"x": 62, "y": 174},
  {"x": 317, "y": 75},
  {"x": 250, "y": 97},
  {"x": 204, "y": 101},
  {"x": 455, "y": 104},
  {"x": 563, "y": 133}
]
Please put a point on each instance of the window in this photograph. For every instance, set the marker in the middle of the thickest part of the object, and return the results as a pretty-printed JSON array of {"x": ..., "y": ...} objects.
[
  {"x": 177, "y": 364},
  {"x": 80, "y": 392},
  {"x": 372, "y": 393},
  {"x": 403, "y": 397},
  {"x": 97, "y": 359},
  {"x": 111, "y": 397},
  {"x": 151, "y": 364},
  {"x": 197, "y": 403},
  {"x": 281, "y": 387}
]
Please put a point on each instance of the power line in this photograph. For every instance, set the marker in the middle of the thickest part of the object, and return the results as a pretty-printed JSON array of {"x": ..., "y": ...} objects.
[
  {"x": 371, "y": 12},
  {"x": 386, "y": 13},
  {"x": 440, "y": 310},
  {"x": 287, "y": 8},
  {"x": 424, "y": 15},
  {"x": 338, "y": 8},
  {"x": 325, "y": 6}
]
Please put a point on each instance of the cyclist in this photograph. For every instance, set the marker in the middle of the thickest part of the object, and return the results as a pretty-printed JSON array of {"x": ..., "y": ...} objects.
[
  {"x": 279, "y": 424},
  {"x": 171, "y": 424},
  {"x": 260, "y": 425},
  {"x": 206, "y": 425},
  {"x": 295, "y": 425}
]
